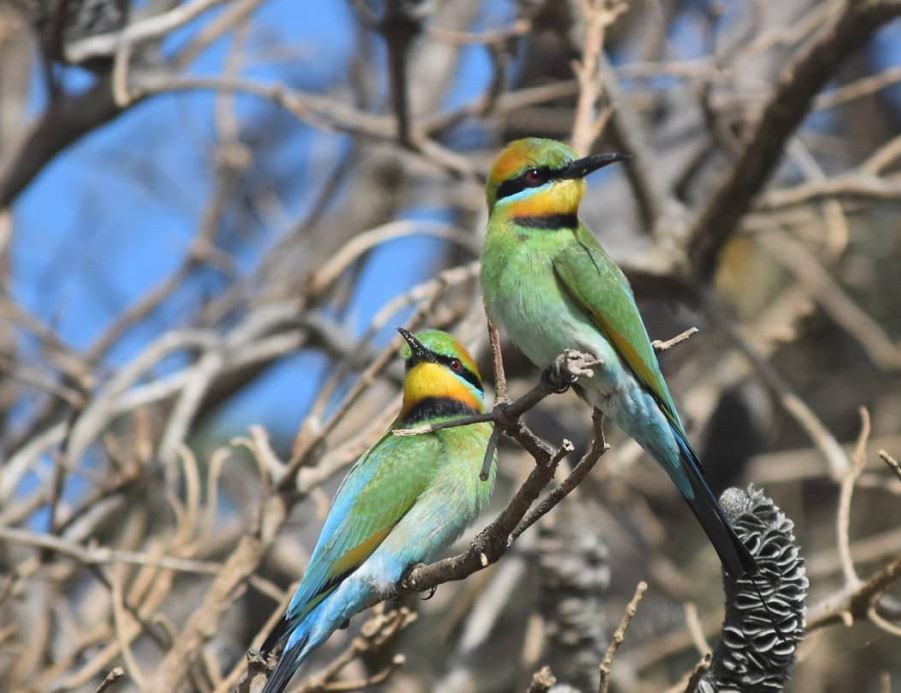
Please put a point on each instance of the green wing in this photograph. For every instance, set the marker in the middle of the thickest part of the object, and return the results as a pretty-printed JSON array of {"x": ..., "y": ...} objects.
[
  {"x": 378, "y": 491},
  {"x": 594, "y": 282}
]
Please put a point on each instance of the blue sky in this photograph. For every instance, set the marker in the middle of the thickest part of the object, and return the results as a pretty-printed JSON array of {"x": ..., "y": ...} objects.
[{"x": 114, "y": 214}]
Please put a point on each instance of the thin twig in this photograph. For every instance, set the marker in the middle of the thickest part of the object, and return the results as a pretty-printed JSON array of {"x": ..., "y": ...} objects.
[
  {"x": 695, "y": 629},
  {"x": 695, "y": 677},
  {"x": 493, "y": 541},
  {"x": 598, "y": 16},
  {"x": 664, "y": 345},
  {"x": 518, "y": 28},
  {"x": 836, "y": 302},
  {"x": 850, "y": 605},
  {"x": 619, "y": 635},
  {"x": 110, "y": 679},
  {"x": 843, "y": 516},
  {"x": 102, "y": 555},
  {"x": 821, "y": 436},
  {"x": 891, "y": 462},
  {"x": 580, "y": 471},
  {"x": 784, "y": 111}
]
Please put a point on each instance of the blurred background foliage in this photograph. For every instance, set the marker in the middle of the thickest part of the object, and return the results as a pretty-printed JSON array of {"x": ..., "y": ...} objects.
[{"x": 274, "y": 184}]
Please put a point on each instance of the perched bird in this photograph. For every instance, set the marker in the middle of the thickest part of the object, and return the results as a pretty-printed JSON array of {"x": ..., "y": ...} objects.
[
  {"x": 550, "y": 286},
  {"x": 404, "y": 501}
]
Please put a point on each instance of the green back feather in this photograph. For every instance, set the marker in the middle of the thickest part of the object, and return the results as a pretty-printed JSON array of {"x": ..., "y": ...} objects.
[{"x": 594, "y": 282}]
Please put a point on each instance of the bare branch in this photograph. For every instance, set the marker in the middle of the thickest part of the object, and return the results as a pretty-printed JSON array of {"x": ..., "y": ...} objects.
[
  {"x": 792, "y": 98},
  {"x": 891, "y": 462},
  {"x": 619, "y": 636},
  {"x": 110, "y": 679},
  {"x": 664, "y": 345}
]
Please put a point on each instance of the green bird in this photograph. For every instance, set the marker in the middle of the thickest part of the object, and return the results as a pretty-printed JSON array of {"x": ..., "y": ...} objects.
[
  {"x": 550, "y": 286},
  {"x": 404, "y": 501}
]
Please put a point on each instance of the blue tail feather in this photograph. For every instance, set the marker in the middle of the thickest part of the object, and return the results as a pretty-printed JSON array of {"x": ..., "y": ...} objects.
[
  {"x": 734, "y": 555},
  {"x": 301, "y": 640},
  {"x": 281, "y": 631}
]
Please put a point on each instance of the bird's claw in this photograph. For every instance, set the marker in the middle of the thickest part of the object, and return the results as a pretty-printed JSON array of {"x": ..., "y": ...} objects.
[
  {"x": 557, "y": 381},
  {"x": 567, "y": 368},
  {"x": 405, "y": 580},
  {"x": 406, "y": 584}
]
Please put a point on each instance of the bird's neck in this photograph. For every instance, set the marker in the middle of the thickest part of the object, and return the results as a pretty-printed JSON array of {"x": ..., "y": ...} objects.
[
  {"x": 433, "y": 409},
  {"x": 431, "y": 390},
  {"x": 554, "y": 207}
]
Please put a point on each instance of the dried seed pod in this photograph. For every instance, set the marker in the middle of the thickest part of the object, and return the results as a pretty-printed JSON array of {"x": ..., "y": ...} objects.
[{"x": 764, "y": 613}]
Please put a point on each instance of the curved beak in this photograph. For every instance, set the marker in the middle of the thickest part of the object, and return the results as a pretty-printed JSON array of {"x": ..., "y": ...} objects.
[
  {"x": 420, "y": 353},
  {"x": 582, "y": 167}
]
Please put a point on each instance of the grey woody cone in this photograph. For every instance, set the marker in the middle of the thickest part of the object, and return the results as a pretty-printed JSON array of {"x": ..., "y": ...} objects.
[
  {"x": 764, "y": 620},
  {"x": 574, "y": 571}
]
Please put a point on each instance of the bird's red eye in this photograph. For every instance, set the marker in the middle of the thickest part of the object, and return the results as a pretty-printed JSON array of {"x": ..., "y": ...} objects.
[
  {"x": 456, "y": 365},
  {"x": 534, "y": 177}
]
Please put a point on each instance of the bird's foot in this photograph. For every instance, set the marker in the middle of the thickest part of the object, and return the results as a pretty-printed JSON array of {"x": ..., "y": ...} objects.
[
  {"x": 407, "y": 584},
  {"x": 567, "y": 368}
]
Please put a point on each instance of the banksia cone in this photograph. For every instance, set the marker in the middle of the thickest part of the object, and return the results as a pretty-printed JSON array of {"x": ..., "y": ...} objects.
[{"x": 765, "y": 613}]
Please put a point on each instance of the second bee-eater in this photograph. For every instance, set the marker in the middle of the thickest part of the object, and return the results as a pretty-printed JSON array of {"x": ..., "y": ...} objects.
[
  {"x": 404, "y": 501},
  {"x": 550, "y": 286}
]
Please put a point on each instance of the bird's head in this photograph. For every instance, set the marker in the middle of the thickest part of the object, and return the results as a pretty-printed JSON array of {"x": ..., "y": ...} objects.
[
  {"x": 536, "y": 177},
  {"x": 439, "y": 368}
]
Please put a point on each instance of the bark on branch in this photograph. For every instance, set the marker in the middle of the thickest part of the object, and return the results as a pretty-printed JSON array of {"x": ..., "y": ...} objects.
[{"x": 789, "y": 104}]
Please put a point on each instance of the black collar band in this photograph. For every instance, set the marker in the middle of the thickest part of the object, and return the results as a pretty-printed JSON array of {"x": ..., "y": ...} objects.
[
  {"x": 548, "y": 221},
  {"x": 435, "y": 407}
]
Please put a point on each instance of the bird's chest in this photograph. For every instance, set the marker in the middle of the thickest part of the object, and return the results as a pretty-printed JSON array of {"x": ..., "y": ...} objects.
[
  {"x": 525, "y": 298},
  {"x": 531, "y": 307}
]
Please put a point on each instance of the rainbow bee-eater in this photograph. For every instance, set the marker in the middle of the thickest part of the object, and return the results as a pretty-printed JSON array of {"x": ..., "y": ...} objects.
[
  {"x": 403, "y": 502},
  {"x": 550, "y": 286}
]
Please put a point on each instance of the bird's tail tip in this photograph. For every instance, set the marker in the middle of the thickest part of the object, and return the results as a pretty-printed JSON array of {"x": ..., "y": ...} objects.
[
  {"x": 289, "y": 663},
  {"x": 736, "y": 558}
]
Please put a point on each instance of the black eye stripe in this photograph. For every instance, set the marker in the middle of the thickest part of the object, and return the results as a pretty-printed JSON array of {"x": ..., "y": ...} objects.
[
  {"x": 509, "y": 187},
  {"x": 464, "y": 372},
  {"x": 521, "y": 182}
]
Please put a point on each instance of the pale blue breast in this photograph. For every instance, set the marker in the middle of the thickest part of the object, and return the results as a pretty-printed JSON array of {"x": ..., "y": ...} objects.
[{"x": 531, "y": 308}]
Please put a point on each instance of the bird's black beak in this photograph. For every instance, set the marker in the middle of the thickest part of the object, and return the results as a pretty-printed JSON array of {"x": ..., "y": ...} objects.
[
  {"x": 582, "y": 167},
  {"x": 420, "y": 353}
]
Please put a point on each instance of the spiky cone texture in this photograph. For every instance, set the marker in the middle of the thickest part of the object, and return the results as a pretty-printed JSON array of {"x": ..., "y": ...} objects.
[{"x": 764, "y": 620}]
